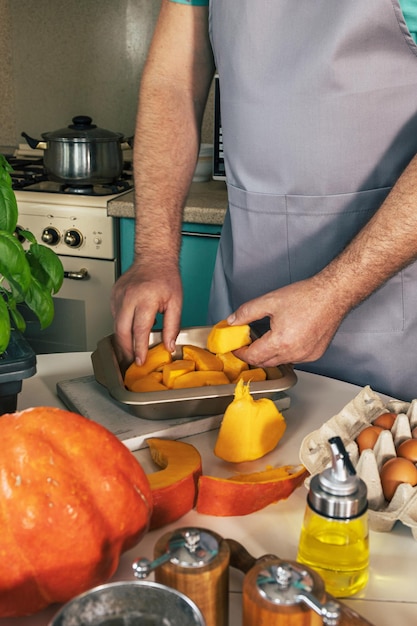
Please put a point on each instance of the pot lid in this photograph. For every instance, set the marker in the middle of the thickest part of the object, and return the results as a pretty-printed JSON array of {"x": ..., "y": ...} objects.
[{"x": 82, "y": 130}]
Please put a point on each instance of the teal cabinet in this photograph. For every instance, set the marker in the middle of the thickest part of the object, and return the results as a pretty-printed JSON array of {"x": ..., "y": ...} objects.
[{"x": 198, "y": 254}]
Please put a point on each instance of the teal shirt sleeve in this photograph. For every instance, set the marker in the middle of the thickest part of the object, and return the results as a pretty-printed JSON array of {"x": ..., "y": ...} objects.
[
  {"x": 409, "y": 9},
  {"x": 193, "y": 3}
]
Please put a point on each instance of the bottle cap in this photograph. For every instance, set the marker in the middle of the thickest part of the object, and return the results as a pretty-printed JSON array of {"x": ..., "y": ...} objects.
[{"x": 338, "y": 492}]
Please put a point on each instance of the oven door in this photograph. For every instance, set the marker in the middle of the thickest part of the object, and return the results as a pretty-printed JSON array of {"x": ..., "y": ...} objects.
[{"x": 82, "y": 308}]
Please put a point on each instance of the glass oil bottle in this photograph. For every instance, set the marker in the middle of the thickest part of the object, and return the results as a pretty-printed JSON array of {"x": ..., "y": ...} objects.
[{"x": 334, "y": 536}]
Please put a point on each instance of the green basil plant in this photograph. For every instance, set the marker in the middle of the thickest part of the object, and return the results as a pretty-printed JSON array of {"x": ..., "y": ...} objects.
[{"x": 30, "y": 272}]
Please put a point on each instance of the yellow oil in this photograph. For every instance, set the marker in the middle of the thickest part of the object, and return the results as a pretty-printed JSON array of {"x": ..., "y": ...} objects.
[{"x": 338, "y": 550}]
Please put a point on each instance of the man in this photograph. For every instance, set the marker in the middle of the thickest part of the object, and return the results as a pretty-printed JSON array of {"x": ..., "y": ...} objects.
[{"x": 319, "y": 116}]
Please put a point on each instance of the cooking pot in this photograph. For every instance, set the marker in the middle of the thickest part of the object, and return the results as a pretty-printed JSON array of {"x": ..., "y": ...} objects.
[{"x": 82, "y": 153}]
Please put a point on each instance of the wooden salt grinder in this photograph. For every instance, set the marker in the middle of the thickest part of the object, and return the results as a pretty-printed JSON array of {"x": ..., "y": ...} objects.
[
  {"x": 286, "y": 593},
  {"x": 195, "y": 562}
]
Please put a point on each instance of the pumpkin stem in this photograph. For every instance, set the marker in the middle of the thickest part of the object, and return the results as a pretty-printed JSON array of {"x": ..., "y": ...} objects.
[{"x": 242, "y": 391}]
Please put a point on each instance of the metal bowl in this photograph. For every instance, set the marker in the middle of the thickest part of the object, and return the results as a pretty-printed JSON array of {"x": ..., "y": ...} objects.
[
  {"x": 180, "y": 403},
  {"x": 127, "y": 604}
]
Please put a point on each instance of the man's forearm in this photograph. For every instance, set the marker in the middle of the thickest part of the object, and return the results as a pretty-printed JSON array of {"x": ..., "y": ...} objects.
[
  {"x": 382, "y": 248},
  {"x": 173, "y": 95}
]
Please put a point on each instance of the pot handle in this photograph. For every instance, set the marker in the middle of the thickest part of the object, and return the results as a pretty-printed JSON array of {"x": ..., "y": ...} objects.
[
  {"x": 34, "y": 143},
  {"x": 127, "y": 142}
]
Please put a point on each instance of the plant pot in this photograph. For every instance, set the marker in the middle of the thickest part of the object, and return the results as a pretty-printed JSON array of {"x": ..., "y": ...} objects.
[{"x": 16, "y": 363}]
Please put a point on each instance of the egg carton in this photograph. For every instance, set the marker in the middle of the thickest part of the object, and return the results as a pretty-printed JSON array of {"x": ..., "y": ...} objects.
[{"x": 353, "y": 418}]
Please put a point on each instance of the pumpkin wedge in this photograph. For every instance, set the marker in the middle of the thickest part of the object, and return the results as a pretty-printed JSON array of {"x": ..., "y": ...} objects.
[
  {"x": 225, "y": 338},
  {"x": 174, "y": 488},
  {"x": 203, "y": 359},
  {"x": 250, "y": 428},
  {"x": 171, "y": 371},
  {"x": 255, "y": 374},
  {"x": 232, "y": 365},
  {"x": 200, "y": 379},
  {"x": 156, "y": 358},
  {"x": 246, "y": 493},
  {"x": 151, "y": 382}
]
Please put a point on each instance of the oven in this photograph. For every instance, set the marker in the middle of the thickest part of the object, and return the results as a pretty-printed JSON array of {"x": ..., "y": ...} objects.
[{"x": 74, "y": 223}]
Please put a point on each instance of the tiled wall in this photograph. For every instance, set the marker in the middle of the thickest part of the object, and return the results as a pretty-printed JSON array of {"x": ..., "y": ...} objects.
[{"x": 62, "y": 58}]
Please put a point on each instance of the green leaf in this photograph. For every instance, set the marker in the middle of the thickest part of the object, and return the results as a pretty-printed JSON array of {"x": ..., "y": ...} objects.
[
  {"x": 17, "y": 318},
  {"x": 13, "y": 263},
  {"x": 46, "y": 267},
  {"x": 40, "y": 301},
  {"x": 5, "y": 166},
  {"x": 4, "y": 326},
  {"x": 8, "y": 204},
  {"x": 26, "y": 234},
  {"x": 8, "y": 209}
]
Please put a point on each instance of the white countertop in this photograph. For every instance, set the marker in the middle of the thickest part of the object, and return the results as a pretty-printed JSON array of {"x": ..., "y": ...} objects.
[{"x": 390, "y": 597}]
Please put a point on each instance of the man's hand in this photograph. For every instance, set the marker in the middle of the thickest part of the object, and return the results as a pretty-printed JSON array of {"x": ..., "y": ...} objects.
[
  {"x": 303, "y": 321},
  {"x": 137, "y": 297}
]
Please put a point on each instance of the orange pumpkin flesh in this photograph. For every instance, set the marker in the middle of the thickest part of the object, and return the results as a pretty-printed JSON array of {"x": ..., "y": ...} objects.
[
  {"x": 203, "y": 378},
  {"x": 246, "y": 493},
  {"x": 224, "y": 338},
  {"x": 203, "y": 359},
  {"x": 232, "y": 365},
  {"x": 72, "y": 499},
  {"x": 255, "y": 374},
  {"x": 157, "y": 357},
  {"x": 174, "y": 488}
]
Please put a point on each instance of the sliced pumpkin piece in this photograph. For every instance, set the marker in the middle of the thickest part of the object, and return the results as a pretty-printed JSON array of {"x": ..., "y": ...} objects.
[
  {"x": 225, "y": 338},
  {"x": 232, "y": 365},
  {"x": 246, "y": 493},
  {"x": 171, "y": 371},
  {"x": 255, "y": 374},
  {"x": 151, "y": 382},
  {"x": 203, "y": 359},
  {"x": 155, "y": 359},
  {"x": 250, "y": 428},
  {"x": 200, "y": 379},
  {"x": 174, "y": 488}
]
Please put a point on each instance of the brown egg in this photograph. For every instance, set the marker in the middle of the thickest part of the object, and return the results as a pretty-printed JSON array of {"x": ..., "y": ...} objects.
[
  {"x": 386, "y": 420},
  {"x": 367, "y": 437},
  {"x": 414, "y": 433},
  {"x": 396, "y": 471},
  {"x": 408, "y": 450}
]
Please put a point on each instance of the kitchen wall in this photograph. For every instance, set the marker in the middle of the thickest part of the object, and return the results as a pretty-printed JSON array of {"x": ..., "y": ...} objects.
[
  {"x": 7, "y": 102},
  {"x": 62, "y": 58}
]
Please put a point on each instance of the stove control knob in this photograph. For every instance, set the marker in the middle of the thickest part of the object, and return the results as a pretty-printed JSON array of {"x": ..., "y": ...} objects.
[
  {"x": 73, "y": 238},
  {"x": 50, "y": 236}
]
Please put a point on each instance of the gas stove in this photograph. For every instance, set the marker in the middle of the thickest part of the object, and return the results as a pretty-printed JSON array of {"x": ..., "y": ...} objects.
[{"x": 71, "y": 219}]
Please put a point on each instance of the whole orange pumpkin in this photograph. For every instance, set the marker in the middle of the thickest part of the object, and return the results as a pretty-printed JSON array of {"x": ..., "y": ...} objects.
[{"x": 72, "y": 499}]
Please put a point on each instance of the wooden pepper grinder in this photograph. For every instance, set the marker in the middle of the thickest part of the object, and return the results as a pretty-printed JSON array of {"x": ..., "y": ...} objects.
[
  {"x": 288, "y": 594},
  {"x": 297, "y": 588},
  {"x": 194, "y": 561}
]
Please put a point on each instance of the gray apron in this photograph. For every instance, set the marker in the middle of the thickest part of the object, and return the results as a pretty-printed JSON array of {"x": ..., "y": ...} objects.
[{"x": 319, "y": 112}]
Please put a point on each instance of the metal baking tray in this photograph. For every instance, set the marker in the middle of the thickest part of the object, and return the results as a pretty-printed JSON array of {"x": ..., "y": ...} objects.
[{"x": 180, "y": 403}]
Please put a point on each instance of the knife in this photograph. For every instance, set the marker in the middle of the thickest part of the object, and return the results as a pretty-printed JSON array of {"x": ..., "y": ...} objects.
[{"x": 242, "y": 560}]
